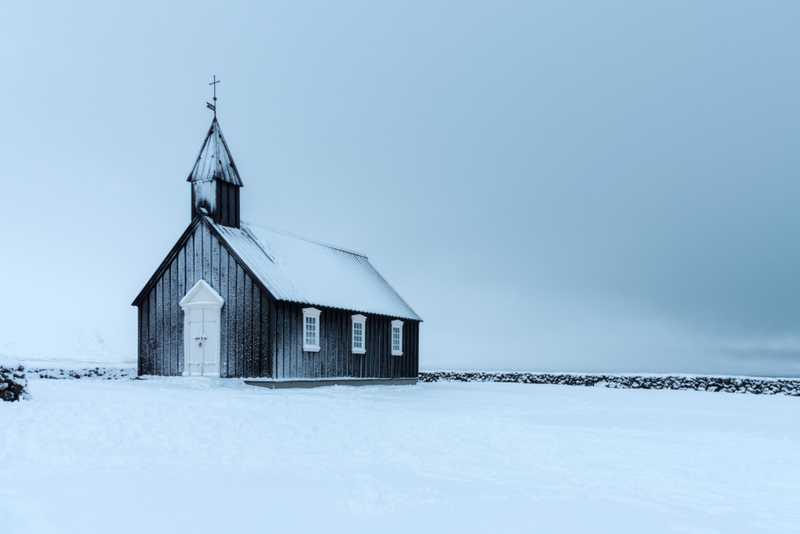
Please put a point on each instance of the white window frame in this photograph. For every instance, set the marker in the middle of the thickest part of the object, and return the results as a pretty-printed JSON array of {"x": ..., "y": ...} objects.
[
  {"x": 361, "y": 320},
  {"x": 311, "y": 313},
  {"x": 396, "y": 324}
]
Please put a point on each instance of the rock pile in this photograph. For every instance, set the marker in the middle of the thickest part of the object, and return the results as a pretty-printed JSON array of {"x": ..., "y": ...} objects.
[
  {"x": 758, "y": 386},
  {"x": 13, "y": 383}
]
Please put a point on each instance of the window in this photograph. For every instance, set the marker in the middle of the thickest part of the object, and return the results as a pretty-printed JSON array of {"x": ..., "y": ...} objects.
[
  {"x": 359, "y": 334},
  {"x": 397, "y": 338},
  {"x": 311, "y": 329}
]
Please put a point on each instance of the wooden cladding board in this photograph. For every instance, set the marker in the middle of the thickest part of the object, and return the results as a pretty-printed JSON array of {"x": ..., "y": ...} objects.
[
  {"x": 244, "y": 344},
  {"x": 335, "y": 358},
  {"x": 226, "y": 204}
]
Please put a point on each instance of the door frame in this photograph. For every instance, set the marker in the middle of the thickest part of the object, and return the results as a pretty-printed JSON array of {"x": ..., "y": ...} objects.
[{"x": 202, "y": 295}]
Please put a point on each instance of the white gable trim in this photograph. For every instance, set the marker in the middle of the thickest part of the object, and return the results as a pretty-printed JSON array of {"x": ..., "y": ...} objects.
[
  {"x": 202, "y": 295},
  {"x": 312, "y": 312}
]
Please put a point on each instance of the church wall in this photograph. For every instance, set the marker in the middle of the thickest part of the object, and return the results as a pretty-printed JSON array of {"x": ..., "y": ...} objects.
[
  {"x": 259, "y": 336},
  {"x": 244, "y": 342},
  {"x": 335, "y": 358}
]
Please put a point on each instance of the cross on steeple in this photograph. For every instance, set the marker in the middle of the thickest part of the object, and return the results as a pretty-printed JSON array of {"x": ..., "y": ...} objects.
[{"x": 213, "y": 106}]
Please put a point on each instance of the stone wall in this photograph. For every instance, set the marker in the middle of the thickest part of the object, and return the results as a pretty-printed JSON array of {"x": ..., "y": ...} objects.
[{"x": 759, "y": 386}]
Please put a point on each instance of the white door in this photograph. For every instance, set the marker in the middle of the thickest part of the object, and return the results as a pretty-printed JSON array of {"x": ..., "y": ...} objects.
[
  {"x": 203, "y": 334},
  {"x": 201, "y": 308}
]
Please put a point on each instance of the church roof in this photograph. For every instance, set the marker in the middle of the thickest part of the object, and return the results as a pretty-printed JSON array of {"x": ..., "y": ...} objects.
[
  {"x": 215, "y": 160},
  {"x": 297, "y": 269}
]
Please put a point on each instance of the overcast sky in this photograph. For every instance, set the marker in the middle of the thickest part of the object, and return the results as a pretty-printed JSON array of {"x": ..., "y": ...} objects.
[{"x": 560, "y": 186}]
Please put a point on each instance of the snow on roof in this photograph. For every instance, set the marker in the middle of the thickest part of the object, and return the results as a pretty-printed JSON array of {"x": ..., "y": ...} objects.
[
  {"x": 215, "y": 160},
  {"x": 301, "y": 270}
]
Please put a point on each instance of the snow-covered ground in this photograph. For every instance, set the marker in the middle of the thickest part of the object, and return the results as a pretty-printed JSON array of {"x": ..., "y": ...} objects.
[
  {"x": 65, "y": 349},
  {"x": 192, "y": 455}
]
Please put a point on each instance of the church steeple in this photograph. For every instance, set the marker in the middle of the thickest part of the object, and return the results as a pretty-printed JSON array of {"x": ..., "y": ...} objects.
[{"x": 215, "y": 180}]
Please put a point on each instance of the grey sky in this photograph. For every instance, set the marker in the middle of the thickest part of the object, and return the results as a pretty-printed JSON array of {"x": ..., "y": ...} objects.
[{"x": 562, "y": 186}]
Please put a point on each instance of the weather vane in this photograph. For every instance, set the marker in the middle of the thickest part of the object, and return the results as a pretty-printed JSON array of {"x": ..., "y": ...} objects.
[{"x": 213, "y": 107}]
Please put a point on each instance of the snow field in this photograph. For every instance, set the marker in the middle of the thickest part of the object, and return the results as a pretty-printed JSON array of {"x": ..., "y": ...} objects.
[{"x": 193, "y": 455}]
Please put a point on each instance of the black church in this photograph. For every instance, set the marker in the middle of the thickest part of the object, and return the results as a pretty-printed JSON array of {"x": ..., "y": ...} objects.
[{"x": 233, "y": 299}]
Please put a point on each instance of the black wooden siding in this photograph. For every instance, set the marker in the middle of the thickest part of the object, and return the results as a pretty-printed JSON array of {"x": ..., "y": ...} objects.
[
  {"x": 244, "y": 345},
  {"x": 335, "y": 358},
  {"x": 226, "y": 208}
]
